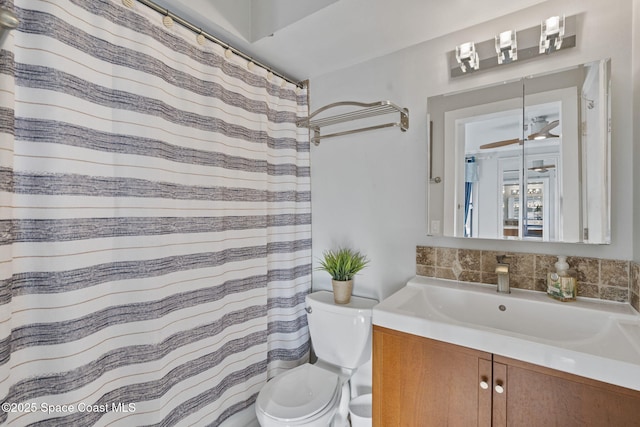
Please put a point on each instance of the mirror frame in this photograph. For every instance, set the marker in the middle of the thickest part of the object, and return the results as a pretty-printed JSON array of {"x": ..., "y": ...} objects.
[{"x": 592, "y": 226}]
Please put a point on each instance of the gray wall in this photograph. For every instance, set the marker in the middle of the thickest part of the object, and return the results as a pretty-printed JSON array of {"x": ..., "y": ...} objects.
[
  {"x": 369, "y": 188},
  {"x": 636, "y": 128}
]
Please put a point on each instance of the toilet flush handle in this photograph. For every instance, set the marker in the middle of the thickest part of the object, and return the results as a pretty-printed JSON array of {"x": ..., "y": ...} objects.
[{"x": 308, "y": 310}]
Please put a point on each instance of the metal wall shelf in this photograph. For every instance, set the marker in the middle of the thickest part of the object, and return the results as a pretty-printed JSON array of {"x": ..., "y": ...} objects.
[{"x": 363, "y": 110}]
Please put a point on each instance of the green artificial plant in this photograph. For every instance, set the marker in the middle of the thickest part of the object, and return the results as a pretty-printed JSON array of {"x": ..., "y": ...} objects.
[{"x": 343, "y": 264}]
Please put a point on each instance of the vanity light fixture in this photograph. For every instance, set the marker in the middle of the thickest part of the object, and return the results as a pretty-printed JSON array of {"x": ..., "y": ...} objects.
[
  {"x": 467, "y": 57},
  {"x": 514, "y": 46},
  {"x": 551, "y": 34},
  {"x": 507, "y": 47}
]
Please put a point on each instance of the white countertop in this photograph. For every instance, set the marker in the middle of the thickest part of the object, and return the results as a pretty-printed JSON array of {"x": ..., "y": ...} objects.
[{"x": 591, "y": 338}]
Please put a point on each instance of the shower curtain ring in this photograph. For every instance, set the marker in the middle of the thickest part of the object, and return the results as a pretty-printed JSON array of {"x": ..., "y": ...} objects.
[
  {"x": 8, "y": 19},
  {"x": 167, "y": 20}
]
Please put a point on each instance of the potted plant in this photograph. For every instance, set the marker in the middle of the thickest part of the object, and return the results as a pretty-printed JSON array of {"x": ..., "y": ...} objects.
[{"x": 342, "y": 265}]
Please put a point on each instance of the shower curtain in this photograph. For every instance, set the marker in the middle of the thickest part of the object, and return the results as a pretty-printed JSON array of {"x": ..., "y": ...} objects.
[{"x": 156, "y": 225}]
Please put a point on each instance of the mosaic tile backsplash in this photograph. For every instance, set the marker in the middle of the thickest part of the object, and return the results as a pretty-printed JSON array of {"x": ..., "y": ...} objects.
[{"x": 607, "y": 279}]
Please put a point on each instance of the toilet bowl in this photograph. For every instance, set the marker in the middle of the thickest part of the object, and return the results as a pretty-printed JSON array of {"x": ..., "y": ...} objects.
[
  {"x": 304, "y": 396},
  {"x": 317, "y": 395}
]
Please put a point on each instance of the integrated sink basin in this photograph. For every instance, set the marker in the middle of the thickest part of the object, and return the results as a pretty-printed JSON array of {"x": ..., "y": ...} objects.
[{"x": 599, "y": 340}]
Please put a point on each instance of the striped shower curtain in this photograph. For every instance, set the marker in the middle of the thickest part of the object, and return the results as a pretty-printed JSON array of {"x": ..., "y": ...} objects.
[{"x": 156, "y": 226}]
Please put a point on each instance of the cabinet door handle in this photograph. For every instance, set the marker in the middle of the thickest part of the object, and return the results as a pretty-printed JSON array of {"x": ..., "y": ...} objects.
[
  {"x": 484, "y": 384},
  {"x": 499, "y": 387}
]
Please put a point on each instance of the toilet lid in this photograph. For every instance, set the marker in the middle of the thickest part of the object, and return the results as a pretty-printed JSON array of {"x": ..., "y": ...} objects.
[{"x": 298, "y": 393}]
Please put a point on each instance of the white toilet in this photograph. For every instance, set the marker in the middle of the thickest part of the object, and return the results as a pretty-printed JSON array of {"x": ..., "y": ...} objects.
[{"x": 318, "y": 395}]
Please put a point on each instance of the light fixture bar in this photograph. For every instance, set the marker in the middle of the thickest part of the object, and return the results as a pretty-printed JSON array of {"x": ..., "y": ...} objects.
[{"x": 528, "y": 48}]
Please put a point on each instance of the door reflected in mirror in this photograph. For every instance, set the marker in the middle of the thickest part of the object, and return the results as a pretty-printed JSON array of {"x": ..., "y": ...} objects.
[{"x": 527, "y": 160}]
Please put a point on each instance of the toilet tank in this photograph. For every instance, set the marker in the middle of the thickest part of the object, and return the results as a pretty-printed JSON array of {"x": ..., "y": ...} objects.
[{"x": 340, "y": 333}]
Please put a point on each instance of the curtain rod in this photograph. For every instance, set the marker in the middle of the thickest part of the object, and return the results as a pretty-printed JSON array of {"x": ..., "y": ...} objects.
[{"x": 214, "y": 39}]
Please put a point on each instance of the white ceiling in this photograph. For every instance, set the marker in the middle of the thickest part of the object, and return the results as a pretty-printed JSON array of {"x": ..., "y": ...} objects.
[{"x": 322, "y": 36}]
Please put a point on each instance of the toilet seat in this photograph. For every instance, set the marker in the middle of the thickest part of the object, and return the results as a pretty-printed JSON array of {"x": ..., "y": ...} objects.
[{"x": 299, "y": 394}]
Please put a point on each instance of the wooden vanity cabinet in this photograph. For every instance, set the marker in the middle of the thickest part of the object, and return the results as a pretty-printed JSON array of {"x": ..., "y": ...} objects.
[
  {"x": 422, "y": 382},
  {"x": 539, "y": 396}
]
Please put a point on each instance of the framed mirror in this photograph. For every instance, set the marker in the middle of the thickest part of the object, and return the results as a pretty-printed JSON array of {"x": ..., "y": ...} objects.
[{"x": 524, "y": 160}]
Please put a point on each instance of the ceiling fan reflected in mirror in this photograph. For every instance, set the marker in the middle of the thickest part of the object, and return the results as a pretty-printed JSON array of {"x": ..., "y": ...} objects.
[
  {"x": 539, "y": 166},
  {"x": 541, "y": 130}
]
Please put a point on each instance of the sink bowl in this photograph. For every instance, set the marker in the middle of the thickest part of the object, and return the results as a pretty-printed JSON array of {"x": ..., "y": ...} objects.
[
  {"x": 523, "y": 313},
  {"x": 576, "y": 337}
]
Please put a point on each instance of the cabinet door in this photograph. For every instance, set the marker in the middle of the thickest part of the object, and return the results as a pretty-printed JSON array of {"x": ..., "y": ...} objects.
[
  {"x": 422, "y": 382},
  {"x": 538, "y": 396}
]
